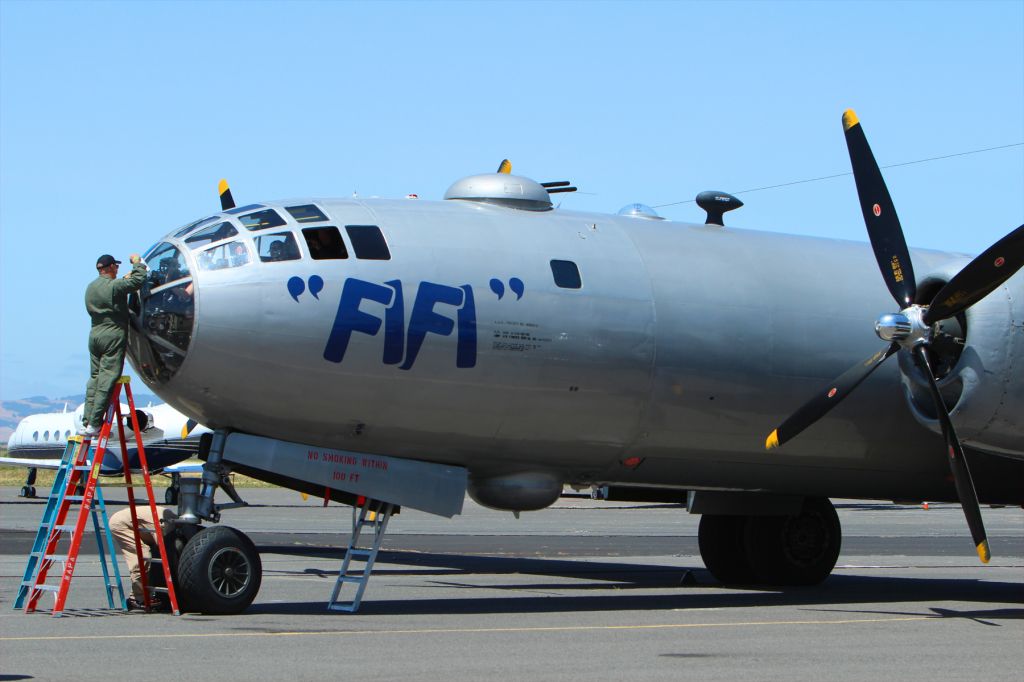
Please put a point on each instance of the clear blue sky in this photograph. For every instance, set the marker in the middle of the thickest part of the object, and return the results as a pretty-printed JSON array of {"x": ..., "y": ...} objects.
[{"x": 118, "y": 119}]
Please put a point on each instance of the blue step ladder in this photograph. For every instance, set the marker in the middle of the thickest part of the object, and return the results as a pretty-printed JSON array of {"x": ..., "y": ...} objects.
[
  {"x": 372, "y": 514},
  {"x": 73, "y": 462}
]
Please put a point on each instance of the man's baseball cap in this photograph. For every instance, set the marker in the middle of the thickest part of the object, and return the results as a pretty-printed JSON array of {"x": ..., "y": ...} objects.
[{"x": 106, "y": 260}]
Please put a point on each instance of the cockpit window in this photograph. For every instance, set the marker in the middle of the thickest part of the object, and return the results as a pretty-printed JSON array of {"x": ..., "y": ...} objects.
[
  {"x": 213, "y": 233},
  {"x": 242, "y": 209},
  {"x": 166, "y": 264},
  {"x": 261, "y": 220},
  {"x": 230, "y": 255},
  {"x": 194, "y": 224},
  {"x": 277, "y": 247},
  {"x": 368, "y": 242},
  {"x": 324, "y": 243},
  {"x": 307, "y": 213}
]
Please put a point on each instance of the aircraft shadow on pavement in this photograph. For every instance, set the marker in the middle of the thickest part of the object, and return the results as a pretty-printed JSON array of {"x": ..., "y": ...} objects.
[{"x": 620, "y": 582}]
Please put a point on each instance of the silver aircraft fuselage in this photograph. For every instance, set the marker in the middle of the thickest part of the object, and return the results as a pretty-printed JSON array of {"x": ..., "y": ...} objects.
[{"x": 682, "y": 348}]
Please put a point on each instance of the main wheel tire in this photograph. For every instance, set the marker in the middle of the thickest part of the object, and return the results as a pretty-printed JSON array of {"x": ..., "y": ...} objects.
[
  {"x": 219, "y": 571},
  {"x": 796, "y": 550},
  {"x": 171, "y": 495},
  {"x": 721, "y": 547}
]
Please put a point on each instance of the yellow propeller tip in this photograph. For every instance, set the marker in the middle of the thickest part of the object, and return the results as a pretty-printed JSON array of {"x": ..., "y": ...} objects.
[
  {"x": 983, "y": 552},
  {"x": 772, "y": 441},
  {"x": 222, "y": 187},
  {"x": 849, "y": 119},
  {"x": 505, "y": 166}
]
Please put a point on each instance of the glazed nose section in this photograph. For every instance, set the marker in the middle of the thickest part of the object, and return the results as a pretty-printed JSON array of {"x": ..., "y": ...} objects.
[{"x": 162, "y": 316}]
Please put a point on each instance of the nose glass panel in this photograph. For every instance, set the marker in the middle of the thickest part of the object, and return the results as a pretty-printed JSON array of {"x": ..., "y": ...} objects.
[{"x": 162, "y": 316}]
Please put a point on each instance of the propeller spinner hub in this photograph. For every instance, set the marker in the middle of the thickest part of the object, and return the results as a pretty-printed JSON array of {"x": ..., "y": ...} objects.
[{"x": 906, "y": 327}]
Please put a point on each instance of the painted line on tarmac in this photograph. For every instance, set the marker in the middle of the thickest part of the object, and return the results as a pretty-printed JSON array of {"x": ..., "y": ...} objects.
[{"x": 469, "y": 631}]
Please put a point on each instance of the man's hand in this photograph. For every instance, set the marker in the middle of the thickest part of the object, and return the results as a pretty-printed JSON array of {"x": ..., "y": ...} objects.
[{"x": 134, "y": 258}]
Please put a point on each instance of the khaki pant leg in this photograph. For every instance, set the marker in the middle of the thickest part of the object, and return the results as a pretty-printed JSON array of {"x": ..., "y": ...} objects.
[{"x": 124, "y": 536}]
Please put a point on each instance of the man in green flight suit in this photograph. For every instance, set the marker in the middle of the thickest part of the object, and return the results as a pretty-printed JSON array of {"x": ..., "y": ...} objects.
[{"x": 106, "y": 299}]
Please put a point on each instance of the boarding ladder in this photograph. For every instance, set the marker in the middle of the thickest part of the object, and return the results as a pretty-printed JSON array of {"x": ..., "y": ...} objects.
[
  {"x": 358, "y": 563},
  {"x": 77, "y": 482}
]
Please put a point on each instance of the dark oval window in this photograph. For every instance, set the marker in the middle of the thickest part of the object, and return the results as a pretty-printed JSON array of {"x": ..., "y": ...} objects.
[{"x": 566, "y": 274}]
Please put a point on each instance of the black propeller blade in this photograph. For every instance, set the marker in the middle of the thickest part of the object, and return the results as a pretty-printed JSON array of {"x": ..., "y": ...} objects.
[
  {"x": 829, "y": 396},
  {"x": 957, "y": 463},
  {"x": 883, "y": 225},
  {"x": 226, "y": 200},
  {"x": 979, "y": 278}
]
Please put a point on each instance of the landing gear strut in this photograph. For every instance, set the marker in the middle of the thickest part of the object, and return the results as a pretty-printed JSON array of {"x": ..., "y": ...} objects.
[{"x": 772, "y": 550}]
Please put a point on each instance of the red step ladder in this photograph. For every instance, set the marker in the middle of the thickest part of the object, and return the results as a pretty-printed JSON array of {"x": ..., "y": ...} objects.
[{"x": 77, "y": 528}]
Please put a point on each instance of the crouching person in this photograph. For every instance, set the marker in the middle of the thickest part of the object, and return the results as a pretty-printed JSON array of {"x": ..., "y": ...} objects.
[{"x": 124, "y": 536}]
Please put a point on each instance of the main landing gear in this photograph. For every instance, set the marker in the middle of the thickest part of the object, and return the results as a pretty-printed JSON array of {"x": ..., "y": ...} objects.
[{"x": 796, "y": 550}]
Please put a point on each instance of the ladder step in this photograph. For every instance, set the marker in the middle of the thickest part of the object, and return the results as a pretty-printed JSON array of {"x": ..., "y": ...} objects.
[
  {"x": 56, "y": 557},
  {"x": 67, "y": 527},
  {"x": 74, "y": 498},
  {"x": 353, "y": 578},
  {"x": 47, "y": 588},
  {"x": 356, "y": 552}
]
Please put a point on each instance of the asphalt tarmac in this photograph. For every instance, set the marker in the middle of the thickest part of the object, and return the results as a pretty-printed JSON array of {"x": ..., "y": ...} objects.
[{"x": 584, "y": 590}]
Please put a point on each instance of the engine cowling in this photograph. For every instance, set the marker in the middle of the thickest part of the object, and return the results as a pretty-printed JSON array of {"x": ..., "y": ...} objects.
[{"x": 980, "y": 364}]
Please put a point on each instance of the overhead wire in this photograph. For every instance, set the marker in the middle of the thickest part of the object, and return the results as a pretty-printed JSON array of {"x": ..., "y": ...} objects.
[{"x": 839, "y": 175}]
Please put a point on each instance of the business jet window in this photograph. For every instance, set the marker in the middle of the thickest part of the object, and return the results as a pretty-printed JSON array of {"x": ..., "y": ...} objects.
[
  {"x": 307, "y": 213},
  {"x": 277, "y": 247},
  {"x": 566, "y": 274},
  {"x": 213, "y": 233},
  {"x": 166, "y": 264},
  {"x": 261, "y": 220},
  {"x": 67, "y": 434},
  {"x": 324, "y": 243},
  {"x": 230, "y": 255},
  {"x": 368, "y": 242},
  {"x": 35, "y": 435},
  {"x": 46, "y": 435}
]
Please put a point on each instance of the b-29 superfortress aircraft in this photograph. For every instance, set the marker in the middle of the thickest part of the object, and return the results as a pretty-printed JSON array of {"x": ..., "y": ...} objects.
[{"x": 413, "y": 351}]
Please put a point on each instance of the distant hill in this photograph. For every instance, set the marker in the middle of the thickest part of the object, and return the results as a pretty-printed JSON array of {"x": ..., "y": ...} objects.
[{"x": 13, "y": 411}]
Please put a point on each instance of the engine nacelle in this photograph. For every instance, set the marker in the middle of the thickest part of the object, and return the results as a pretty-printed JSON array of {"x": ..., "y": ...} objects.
[
  {"x": 525, "y": 491},
  {"x": 980, "y": 363}
]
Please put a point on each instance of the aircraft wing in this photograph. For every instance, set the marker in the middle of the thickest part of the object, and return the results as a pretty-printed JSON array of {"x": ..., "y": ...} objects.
[
  {"x": 186, "y": 467},
  {"x": 30, "y": 463}
]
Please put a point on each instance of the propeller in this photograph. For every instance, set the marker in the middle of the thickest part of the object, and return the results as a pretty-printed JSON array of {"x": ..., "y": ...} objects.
[
  {"x": 911, "y": 329},
  {"x": 226, "y": 200}
]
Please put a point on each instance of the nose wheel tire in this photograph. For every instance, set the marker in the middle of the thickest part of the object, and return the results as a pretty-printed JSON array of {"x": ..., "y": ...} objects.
[{"x": 219, "y": 571}]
